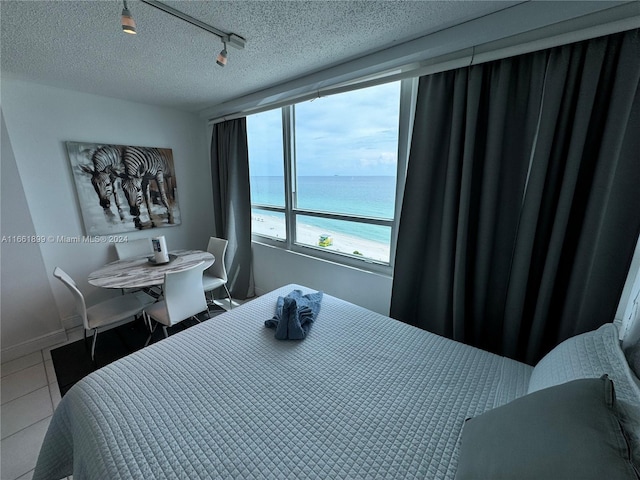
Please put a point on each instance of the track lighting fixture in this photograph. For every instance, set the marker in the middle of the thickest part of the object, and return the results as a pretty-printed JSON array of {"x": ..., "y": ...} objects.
[
  {"x": 128, "y": 23},
  {"x": 222, "y": 56},
  {"x": 129, "y": 26}
]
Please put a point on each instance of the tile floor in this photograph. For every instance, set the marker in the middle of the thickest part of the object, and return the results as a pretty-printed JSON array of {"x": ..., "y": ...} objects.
[{"x": 29, "y": 394}]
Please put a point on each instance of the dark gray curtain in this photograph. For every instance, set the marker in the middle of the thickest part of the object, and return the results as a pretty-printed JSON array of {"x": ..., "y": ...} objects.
[
  {"x": 232, "y": 202},
  {"x": 522, "y": 200},
  {"x": 581, "y": 214}
]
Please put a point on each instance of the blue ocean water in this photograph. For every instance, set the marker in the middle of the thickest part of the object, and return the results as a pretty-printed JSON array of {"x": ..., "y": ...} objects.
[{"x": 371, "y": 196}]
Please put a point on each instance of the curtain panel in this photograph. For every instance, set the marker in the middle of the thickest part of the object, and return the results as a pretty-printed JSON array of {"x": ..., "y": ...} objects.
[
  {"x": 522, "y": 208},
  {"x": 232, "y": 202}
]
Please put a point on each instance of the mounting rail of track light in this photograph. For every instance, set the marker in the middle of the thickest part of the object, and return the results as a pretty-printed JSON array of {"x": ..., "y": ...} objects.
[{"x": 227, "y": 38}]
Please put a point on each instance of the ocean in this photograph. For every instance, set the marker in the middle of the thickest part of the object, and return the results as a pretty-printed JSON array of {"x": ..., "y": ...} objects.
[{"x": 370, "y": 196}]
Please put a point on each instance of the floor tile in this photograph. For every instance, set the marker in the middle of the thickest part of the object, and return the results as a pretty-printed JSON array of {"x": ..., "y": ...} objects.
[
  {"x": 21, "y": 363},
  {"x": 20, "y": 451},
  {"x": 22, "y": 382},
  {"x": 25, "y": 411},
  {"x": 51, "y": 372},
  {"x": 54, "y": 391}
]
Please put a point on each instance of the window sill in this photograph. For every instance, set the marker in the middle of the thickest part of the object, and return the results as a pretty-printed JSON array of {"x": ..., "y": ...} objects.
[{"x": 337, "y": 259}]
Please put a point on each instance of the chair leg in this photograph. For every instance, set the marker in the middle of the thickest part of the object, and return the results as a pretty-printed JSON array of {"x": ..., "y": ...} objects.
[
  {"x": 166, "y": 334},
  {"x": 229, "y": 297},
  {"x": 147, "y": 321},
  {"x": 93, "y": 345},
  {"x": 209, "y": 299},
  {"x": 152, "y": 326}
]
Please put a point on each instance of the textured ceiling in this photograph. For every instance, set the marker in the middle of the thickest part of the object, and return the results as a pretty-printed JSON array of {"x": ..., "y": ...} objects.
[{"x": 79, "y": 45}]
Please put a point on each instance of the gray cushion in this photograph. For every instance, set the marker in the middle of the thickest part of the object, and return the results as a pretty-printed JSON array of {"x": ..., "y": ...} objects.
[
  {"x": 569, "y": 431},
  {"x": 589, "y": 355}
]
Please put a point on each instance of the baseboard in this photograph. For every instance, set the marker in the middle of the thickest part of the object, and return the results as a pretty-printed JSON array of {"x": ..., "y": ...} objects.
[
  {"x": 33, "y": 345},
  {"x": 71, "y": 322}
]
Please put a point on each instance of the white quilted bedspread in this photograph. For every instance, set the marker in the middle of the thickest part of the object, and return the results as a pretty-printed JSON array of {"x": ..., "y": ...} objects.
[{"x": 363, "y": 396}]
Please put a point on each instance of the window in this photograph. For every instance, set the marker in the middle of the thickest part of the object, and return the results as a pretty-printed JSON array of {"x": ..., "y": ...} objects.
[
  {"x": 267, "y": 173},
  {"x": 324, "y": 173}
]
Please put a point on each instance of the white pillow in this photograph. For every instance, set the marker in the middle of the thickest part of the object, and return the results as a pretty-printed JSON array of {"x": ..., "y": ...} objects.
[{"x": 589, "y": 355}]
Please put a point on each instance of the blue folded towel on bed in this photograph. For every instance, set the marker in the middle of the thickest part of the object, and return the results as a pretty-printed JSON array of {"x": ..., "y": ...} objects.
[{"x": 294, "y": 315}]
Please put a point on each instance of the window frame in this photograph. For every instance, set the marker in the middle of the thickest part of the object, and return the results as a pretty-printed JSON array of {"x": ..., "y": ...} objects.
[{"x": 408, "y": 89}]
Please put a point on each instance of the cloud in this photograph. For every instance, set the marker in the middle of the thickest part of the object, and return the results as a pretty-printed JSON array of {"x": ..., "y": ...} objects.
[
  {"x": 372, "y": 159},
  {"x": 354, "y": 133}
]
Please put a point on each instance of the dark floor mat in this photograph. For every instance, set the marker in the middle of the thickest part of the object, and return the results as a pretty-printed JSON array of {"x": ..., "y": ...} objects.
[{"x": 72, "y": 362}]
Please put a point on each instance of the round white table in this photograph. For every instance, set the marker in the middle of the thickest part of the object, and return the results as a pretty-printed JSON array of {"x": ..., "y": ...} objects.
[{"x": 139, "y": 272}]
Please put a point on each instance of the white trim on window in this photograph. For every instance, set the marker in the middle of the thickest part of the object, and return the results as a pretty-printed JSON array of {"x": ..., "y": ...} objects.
[{"x": 408, "y": 91}]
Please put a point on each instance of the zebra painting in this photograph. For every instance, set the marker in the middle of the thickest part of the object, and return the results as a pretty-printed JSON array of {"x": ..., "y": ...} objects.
[
  {"x": 141, "y": 165},
  {"x": 124, "y": 177},
  {"x": 105, "y": 169}
]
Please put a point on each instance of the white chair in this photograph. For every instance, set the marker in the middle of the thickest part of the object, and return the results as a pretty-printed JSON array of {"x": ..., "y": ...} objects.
[
  {"x": 104, "y": 315},
  {"x": 133, "y": 248},
  {"x": 183, "y": 299},
  {"x": 216, "y": 275}
]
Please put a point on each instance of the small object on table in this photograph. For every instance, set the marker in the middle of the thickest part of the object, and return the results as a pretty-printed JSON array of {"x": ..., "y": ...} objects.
[
  {"x": 152, "y": 260},
  {"x": 160, "y": 250}
]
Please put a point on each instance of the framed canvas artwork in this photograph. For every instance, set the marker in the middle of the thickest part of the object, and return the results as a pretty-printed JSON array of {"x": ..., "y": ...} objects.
[{"x": 122, "y": 188}]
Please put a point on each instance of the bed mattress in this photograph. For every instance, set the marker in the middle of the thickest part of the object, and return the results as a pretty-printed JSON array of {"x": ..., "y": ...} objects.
[{"x": 363, "y": 396}]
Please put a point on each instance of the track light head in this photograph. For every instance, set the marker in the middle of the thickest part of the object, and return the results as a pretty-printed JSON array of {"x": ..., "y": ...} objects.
[
  {"x": 128, "y": 23},
  {"x": 222, "y": 57}
]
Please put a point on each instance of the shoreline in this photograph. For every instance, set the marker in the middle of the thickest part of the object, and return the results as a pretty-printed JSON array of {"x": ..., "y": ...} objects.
[{"x": 273, "y": 226}]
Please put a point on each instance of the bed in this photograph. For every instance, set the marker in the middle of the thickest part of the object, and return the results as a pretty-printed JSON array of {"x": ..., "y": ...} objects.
[{"x": 362, "y": 396}]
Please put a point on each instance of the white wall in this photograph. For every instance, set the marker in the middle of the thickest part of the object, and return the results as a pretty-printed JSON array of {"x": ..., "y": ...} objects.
[
  {"x": 628, "y": 314},
  {"x": 39, "y": 121},
  {"x": 26, "y": 298},
  {"x": 274, "y": 267}
]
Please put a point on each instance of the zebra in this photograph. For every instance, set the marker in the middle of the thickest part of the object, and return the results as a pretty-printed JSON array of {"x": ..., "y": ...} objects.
[
  {"x": 105, "y": 175},
  {"x": 140, "y": 166}
]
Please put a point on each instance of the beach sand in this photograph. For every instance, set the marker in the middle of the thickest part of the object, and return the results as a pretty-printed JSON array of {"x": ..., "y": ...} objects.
[{"x": 273, "y": 226}]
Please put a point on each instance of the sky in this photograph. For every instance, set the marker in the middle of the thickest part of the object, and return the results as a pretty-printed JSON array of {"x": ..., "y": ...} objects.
[{"x": 353, "y": 133}]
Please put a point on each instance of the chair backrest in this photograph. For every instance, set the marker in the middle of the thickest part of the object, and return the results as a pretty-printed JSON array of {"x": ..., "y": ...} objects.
[
  {"x": 81, "y": 306},
  {"x": 133, "y": 248},
  {"x": 218, "y": 247},
  {"x": 183, "y": 293}
]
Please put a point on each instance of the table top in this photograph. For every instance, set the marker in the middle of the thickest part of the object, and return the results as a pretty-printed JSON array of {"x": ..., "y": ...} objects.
[{"x": 138, "y": 272}]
